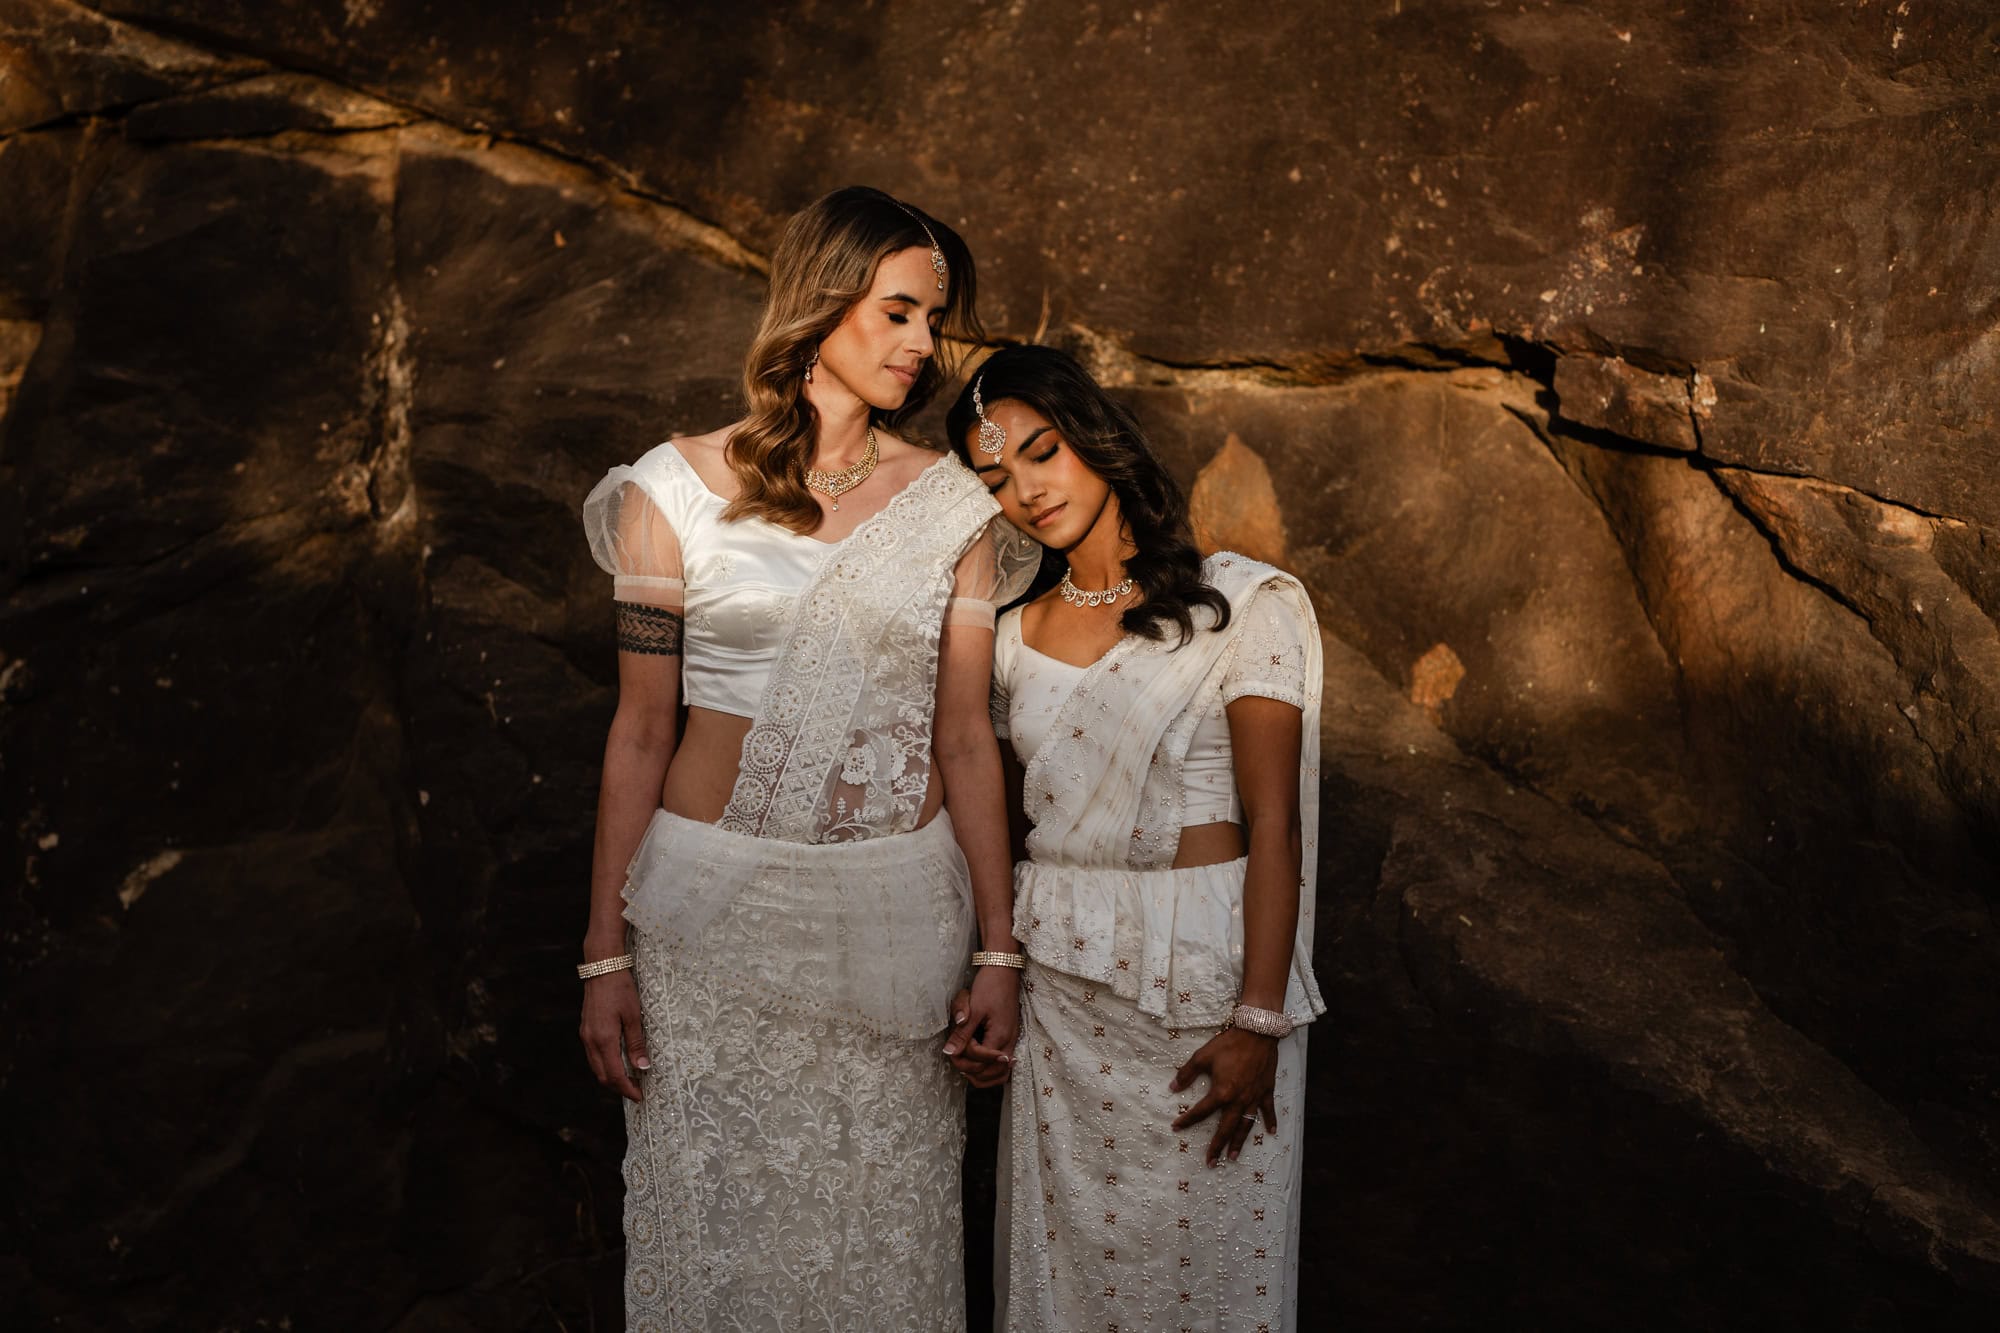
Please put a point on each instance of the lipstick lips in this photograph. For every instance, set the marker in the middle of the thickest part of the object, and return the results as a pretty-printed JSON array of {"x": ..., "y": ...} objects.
[
  {"x": 1047, "y": 514},
  {"x": 908, "y": 377}
]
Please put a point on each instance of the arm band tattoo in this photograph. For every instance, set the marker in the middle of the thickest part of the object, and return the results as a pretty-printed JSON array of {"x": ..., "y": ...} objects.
[{"x": 648, "y": 629}]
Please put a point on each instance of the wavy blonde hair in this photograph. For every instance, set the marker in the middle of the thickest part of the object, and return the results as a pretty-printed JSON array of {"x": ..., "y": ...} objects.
[{"x": 824, "y": 264}]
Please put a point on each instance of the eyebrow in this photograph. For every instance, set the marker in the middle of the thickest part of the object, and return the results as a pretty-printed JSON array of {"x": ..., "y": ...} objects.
[
  {"x": 905, "y": 299},
  {"x": 1029, "y": 439}
]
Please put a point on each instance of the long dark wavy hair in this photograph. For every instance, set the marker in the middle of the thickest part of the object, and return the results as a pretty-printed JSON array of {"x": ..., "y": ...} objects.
[
  {"x": 823, "y": 265},
  {"x": 1167, "y": 567}
]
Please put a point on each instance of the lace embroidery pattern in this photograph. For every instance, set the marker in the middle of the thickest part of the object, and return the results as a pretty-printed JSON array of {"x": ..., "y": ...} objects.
[
  {"x": 653, "y": 630},
  {"x": 786, "y": 923},
  {"x": 786, "y": 1173},
  {"x": 840, "y": 749}
]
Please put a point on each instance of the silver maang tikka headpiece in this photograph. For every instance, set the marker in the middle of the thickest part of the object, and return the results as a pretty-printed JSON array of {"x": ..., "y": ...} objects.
[
  {"x": 937, "y": 256},
  {"x": 992, "y": 435}
]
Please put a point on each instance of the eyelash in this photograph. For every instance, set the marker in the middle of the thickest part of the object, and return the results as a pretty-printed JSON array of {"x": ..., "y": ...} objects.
[
  {"x": 994, "y": 489},
  {"x": 904, "y": 319}
]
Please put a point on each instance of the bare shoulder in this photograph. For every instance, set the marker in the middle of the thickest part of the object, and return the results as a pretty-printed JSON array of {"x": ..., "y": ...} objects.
[
  {"x": 708, "y": 454},
  {"x": 713, "y": 443},
  {"x": 903, "y": 459},
  {"x": 1034, "y": 612}
]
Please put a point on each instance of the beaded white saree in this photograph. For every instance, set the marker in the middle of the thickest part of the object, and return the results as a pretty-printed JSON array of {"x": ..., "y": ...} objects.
[
  {"x": 795, "y": 1162},
  {"x": 1106, "y": 795},
  {"x": 1111, "y": 1219}
]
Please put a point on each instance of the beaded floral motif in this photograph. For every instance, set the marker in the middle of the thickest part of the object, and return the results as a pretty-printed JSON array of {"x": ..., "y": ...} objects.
[
  {"x": 1116, "y": 1221},
  {"x": 1106, "y": 791}
]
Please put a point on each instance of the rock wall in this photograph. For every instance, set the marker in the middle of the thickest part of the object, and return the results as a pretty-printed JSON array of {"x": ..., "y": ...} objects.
[{"x": 1624, "y": 382}]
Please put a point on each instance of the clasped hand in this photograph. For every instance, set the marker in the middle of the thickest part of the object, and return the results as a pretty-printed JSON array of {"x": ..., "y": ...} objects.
[{"x": 985, "y": 1021}]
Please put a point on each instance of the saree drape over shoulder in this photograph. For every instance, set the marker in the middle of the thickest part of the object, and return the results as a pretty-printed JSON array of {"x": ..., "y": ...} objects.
[
  {"x": 1106, "y": 794},
  {"x": 795, "y": 1161},
  {"x": 1110, "y": 1216}
]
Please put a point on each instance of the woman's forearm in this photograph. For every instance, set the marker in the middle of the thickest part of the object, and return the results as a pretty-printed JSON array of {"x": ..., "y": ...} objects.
[
  {"x": 1270, "y": 909},
  {"x": 636, "y": 755},
  {"x": 969, "y": 767}
]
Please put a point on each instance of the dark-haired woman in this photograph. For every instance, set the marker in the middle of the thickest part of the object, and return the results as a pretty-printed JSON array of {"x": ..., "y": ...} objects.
[
  {"x": 787, "y": 885},
  {"x": 1164, "y": 712}
]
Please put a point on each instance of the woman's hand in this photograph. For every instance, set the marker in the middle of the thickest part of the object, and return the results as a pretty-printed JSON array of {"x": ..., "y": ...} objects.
[
  {"x": 1242, "y": 1070},
  {"x": 986, "y": 1020},
  {"x": 612, "y": 1033}
]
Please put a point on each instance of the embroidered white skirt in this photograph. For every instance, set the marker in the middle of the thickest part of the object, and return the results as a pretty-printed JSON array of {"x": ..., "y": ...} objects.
[
  {"x": 1109, "y": 1218},
  {"x": 795, "y": 1162}
]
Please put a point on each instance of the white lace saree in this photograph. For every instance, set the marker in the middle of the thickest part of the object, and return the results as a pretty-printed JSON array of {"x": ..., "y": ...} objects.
[
  {"x": 1111, "y": 1218},
  {"x": 795, "y": 1161}
]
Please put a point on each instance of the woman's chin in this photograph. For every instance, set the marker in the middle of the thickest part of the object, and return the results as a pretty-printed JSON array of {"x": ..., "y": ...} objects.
[{"x": 890, "y": 396}]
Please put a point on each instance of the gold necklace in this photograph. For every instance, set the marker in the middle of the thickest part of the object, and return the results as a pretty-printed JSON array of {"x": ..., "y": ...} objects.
[
  {"x": 833, "y": 485},
  {"x": 1076, "y": 596}
]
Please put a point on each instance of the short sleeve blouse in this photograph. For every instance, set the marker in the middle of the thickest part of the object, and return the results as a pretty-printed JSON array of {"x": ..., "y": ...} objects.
[
  {"x": 635, "y": 542},
  {"x": 1268, "y": 656}
]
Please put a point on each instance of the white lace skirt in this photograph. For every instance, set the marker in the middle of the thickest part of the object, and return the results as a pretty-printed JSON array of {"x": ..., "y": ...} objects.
[
  {"x": 1110, "y": 1219},
  {"x": 795, "y": 1164}
]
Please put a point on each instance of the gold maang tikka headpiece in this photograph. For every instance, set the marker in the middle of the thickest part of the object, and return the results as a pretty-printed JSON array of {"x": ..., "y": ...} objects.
[
  {"x": 937, "y": 256},
  {"x": 992, "y": 435}
]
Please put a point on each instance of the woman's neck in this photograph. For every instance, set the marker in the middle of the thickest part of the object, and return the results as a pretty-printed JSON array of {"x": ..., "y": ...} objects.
[
  {"x": 1098, "y": 561},
  {"x": 842, "y": 436}
]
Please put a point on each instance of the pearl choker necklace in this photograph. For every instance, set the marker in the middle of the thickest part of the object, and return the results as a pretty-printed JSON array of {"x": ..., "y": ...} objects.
[{"x": 1076, "y": 596}]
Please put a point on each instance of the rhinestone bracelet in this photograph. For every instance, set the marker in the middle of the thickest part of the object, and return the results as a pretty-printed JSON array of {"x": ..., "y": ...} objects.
[
  {"x": 987, "y": 958},
  {"x": 1263, "y": 1022},
  {"x": 588, "y": 970}
]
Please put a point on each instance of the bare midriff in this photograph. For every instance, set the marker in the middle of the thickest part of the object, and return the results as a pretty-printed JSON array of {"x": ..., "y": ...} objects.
[
  {"x": 703, "y": 771},
  {"x": 1208, "y": 845}
]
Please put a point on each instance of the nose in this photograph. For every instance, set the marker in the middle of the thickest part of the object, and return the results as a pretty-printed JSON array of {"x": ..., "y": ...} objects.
[{"x": 923, "y": 341}]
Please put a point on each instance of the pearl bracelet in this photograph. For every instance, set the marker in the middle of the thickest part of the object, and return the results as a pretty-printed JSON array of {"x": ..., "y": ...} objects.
[
  {"x": 987, "y": 958},
  {"x": 1263, "y": 1022},
  {"x": 585, "y": 971}
]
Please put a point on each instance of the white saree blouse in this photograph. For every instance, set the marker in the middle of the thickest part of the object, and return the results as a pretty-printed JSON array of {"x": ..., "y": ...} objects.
[
  {"x": 658, "y": 530},
  {"x": 1119, "y": 756},
  {"x": 1267, "y": 658},
  {"x": 832, "y": 648}
]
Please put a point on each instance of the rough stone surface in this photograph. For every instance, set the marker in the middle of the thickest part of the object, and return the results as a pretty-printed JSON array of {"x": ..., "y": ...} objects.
[
  {"x": 1610, "y": 394},
  {"x": 1621, "y": 379},
  {"x": 1233, "y": 504}
]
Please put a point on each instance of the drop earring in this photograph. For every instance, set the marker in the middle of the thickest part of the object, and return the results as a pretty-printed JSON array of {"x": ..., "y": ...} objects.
[{"x": 810, "y": 364}]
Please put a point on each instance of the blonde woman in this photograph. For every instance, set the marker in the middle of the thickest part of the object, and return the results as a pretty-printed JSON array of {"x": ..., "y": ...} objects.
[
  {"x": 788, "y": 885},
  {"x": 1164, "y": 713}
]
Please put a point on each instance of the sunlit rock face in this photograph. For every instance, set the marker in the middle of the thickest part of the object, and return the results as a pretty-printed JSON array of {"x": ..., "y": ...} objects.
[{"x": 1622, "y": 380}]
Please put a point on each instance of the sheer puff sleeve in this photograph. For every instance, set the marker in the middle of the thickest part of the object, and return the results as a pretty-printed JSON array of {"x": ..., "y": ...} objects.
[
  {"x": 1006, "y": 643},
  {"x": 1268, "y": 657},
  {"x": 995, "y": 569},
  {"x": 632, "y": 541}
]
